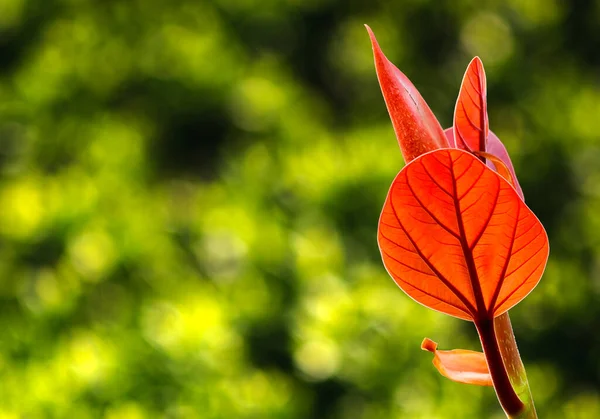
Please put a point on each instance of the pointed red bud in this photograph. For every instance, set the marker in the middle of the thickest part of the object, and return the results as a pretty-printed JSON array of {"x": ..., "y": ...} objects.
[{"x": 417, "y": 129}]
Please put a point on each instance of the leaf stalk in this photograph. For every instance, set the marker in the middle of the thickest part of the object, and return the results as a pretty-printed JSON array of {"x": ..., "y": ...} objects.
[{"x": 506, "y": 368}]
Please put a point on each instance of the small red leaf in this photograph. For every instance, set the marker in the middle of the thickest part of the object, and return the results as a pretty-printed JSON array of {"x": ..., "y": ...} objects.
[
  {"x": 460, "y": 365},
  {"x": 456, "y": 237},
  {"x": 496, "y": 148},
  {"x": 470, "y": 114},
  {"x": 501, "y": 168},
  {"x": 417, "y": 129}
]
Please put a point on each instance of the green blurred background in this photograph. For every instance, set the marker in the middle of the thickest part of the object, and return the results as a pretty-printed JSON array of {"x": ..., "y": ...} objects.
[{"x": 189, "y": 195}]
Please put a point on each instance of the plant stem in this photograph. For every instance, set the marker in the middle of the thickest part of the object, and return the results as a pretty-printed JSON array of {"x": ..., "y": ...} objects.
[
  {"x": 508, "y": 398},
  {"x": 506, "y": 368},
  {"x": 513, "y": 364}
]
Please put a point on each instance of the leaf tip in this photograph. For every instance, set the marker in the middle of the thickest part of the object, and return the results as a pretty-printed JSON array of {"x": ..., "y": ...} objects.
[
  {"x": 477, "y": 64},
  {"x": 375, "y": 45},
  {"x": 428, "y": 345},
  {"x": 477, "y": 60}
]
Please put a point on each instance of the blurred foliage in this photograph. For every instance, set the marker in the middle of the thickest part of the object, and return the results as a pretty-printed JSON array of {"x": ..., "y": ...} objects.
[{"x": 189, "y": 196}]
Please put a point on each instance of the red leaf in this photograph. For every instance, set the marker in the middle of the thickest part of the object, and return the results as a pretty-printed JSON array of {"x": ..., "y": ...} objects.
[
  {"x": 456, "y": 237},
  {"x": 470, "y": 114},
  {"x": 460, "y": 365},
  {"x": 417, "y": 129}
]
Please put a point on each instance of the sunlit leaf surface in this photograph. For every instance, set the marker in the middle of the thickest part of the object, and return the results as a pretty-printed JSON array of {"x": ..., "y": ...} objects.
[
  {"x": 456, "y": 237},
  {"x": 471, "y": 124}
]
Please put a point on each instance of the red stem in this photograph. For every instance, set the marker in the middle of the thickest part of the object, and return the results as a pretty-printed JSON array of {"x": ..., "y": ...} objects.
[{"x": 507, "y": 396}]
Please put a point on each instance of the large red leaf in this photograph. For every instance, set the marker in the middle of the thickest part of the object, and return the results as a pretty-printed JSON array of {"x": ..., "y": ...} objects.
[
  {"x": 460, "y": 365},
  {"x": 471, "y": 124},
  {"x": 456, "y": 237},
  {"x": 417, "y": 129}
]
